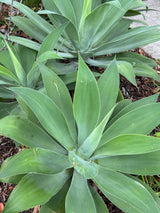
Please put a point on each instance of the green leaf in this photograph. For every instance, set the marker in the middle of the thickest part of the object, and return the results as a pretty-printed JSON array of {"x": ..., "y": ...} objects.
[
  {"x": 108, "y": 85},
  {"x": 120, "y": 106},
  {"x": 18, "y": 67},
  {"x": 87, "y": 169},
  {"x": 33, "y": 190},
  {"x": 6, "y": 94},
  {"x": 27, "y": 57},
  {"x": 66, "y": 9},
  {"x": 13, "y": 179},
  {"x": 86, "y": 104},
  {"x": 100, "y": 205},
  {"x": 78, "y": 192},
  {"x": 25, "y": 42},
  {"x": 59, "y": 93},
  {"x": 16, "y": 127},
  {"x": 141, "y": 120},
  {"x": 132, "y": 106},
  {"x": 132, "y": 56},
  {"x": 51, "y": 40},
  {"x": 143, "y": 164},
  {"x": 57, "y": 202},
  {"x": 126, "y": 69},
  {"x": 126, "y": 193},
  {"x": 135, "y": 37},
  {"x": 34, "y": 18},
  {"x": 6, "y": 108},
  {"x": 5, "y": 73},
  {"x": 45, "y": 209},
  {"x": 29, "y": 28},
  {"x": 34, "y": 160},
  {"x": 128, "y": 145},
  {"x": 48, "y": 114},
  {"x": 90, "y": 144}
]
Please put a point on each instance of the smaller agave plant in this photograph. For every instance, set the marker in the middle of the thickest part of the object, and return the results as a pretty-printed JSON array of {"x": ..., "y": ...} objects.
[
  {"x": 19, "y": 67},
  {"x": 75, "y": 146}
]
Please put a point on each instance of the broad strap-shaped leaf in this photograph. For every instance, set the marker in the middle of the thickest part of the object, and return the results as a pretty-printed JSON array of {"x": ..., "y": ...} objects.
[
  {"x": 25, "y": 42},
  {"x": 143, "y": 164},
  {"x": 108, "y": 85},
  {"x": 132, "y": 106},
  {"x": 86, "y": 103},
  {"x": 48, "y": 114},
  {"x": 17, "y": 66},
  {"x": 57, "y": 202},
  {"x": 128, "y": 145},
  {"x": 31, "y": 29},
  {"x": 6, "y": 94},
  {"x": 135, "y": 57},
  {"x": 66, "y": 9},
  {"x": 59, "y": 93},
  {"x": 79, "y": 198},
  {"x": 100, "y": 204},
  {"x": 120, "y": 106},
  {"x": 154, "y": 195},
  {"x": 132, "y": 196},
  {"x": 126, "y": 69},
  {"x": 33, "y": 190},
  {"x": 142, "y": 65},
  {"x": 133, "y": 38},
  {"x": 51, "y": 40},
  {"x": 141, "y": 120},
  {"x": 34, "y": 18},
  {"x": 5, "y": 73},
  {"x": 16, "y": 127},
  {"x": 27, "y": 57},
  {"x": 34, "y": 160},
  {"x": 6, "y": 108},
  {"x": 92, "y": 141}
]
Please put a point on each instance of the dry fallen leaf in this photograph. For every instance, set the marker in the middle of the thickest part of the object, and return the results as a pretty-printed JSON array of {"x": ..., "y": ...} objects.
[{"x": 1, "y": 207}]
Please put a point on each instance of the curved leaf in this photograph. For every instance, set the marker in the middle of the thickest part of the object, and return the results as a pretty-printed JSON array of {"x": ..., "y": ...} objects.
[
  {"x": 130, "y": 194},
  {"x": 49, "y": 115},
  {"x": 33, "y": 190},
  {"x": 6, "y": 108},
  {"x": 86, "y": 103},
  {"x": 59, "y": 93},
  {"x": 79, "y": 193},
  {"x": 141, "y": 120},
  {"x": 144, "y": 164},
  {"x": 34, "y": 160},
  {"x": 108, "y": 85},
  {"x": 16, "y": 128},
  {"x": 128, "y": 145}
]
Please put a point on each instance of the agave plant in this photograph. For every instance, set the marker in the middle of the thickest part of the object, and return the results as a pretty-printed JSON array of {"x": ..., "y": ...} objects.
[
  {"x": 19, "y": 67},
  {"x": 72, "y": 147},
  {"x": 95, "y": 28}
]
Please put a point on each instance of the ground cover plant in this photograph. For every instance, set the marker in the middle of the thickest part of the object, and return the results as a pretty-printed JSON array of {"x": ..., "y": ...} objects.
[
  {"x": 95, "y": 28},
  {"x": 108, "y": 144}
]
